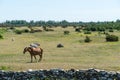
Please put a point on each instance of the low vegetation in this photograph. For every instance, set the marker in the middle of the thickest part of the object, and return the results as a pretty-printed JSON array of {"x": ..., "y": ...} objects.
[
  {"x": 1, "y": 37},
  {"x": 66, "y": 32},
  {"x": 111, "y": 38},
  {"x": 76, "y": 53},
  {"x": 87, "y": 39}
]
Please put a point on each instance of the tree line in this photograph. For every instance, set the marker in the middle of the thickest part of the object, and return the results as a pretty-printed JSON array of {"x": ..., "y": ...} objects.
[{"x": 90, "y": 26}]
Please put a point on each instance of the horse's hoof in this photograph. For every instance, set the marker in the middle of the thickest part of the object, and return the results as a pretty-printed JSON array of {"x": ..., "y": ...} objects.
[{"x": 39, "y": 60}]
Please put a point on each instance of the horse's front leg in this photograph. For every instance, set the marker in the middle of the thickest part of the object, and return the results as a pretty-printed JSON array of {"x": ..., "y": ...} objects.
[
  {"x": 35, "y": 58},
  {"x": 31, "y": 58}
]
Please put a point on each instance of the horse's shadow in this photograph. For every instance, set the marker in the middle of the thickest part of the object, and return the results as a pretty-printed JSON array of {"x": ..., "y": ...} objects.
[
  {"x": 29, "y": 62},
  {"x": 32, "y": 62}
]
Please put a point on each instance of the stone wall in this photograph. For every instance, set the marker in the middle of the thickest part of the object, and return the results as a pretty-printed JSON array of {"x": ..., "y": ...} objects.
[{"x": 59, "y": 74}]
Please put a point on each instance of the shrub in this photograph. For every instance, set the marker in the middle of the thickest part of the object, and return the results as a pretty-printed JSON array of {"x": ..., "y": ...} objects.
[
  {"x": 64, "y": 26},
  {"x": 101, "y": 29},
  {"x": 111, "y": 30},
  {"x": 25, "y": 30},
  {"x": 87, "y": 32},
  {"x": 87, "y": 39},
  {"x": 66, "y": 32},
  {"x": 18, "y": 31},
  {"x": 32, "y": 31},
  {"x": 12, "y": 28},
  {"x": 59, "y": 46},
  {"x": 77, "y": 29},
  {"x": 111, "y": 38},
  {"x": 2, "y": 31},
  {"x": 49, "y": 29},
  {"x": 1, "y": 37}
]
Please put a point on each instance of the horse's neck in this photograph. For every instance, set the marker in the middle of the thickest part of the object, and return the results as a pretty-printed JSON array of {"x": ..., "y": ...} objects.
[{"x": 29, "y": 49}]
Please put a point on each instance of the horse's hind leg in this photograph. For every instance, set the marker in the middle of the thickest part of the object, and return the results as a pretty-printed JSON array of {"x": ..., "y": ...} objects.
[{"x": 40, "y": 58}]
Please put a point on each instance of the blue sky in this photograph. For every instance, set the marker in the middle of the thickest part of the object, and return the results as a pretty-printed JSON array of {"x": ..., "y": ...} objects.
[{"x": 70, "y": 10}]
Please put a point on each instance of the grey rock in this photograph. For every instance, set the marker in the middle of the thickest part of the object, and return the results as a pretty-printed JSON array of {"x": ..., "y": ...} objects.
[{"x": 60, "y": 74}]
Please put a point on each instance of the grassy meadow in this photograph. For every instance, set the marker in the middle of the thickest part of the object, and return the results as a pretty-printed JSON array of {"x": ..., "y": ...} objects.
[{"x": 75, "y": 54}]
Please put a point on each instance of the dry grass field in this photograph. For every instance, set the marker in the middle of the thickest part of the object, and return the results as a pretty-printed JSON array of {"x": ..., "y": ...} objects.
[{"x": 75, "y": 54}]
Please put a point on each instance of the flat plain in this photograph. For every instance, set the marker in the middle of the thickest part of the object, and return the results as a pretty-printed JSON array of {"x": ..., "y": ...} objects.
[{"x": 75, "y": 54}]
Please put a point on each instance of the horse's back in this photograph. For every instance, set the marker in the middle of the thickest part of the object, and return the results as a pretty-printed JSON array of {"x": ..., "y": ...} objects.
[{"x": 38, "y": 49}]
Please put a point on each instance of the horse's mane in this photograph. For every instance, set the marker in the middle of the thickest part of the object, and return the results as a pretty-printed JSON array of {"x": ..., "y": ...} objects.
[{"x": 30, "y": 48}]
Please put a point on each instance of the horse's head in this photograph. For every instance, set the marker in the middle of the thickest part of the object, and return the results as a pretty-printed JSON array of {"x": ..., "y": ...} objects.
[
  {"x": 25, "y": 50},
  {"x": 29, "y": 49}
]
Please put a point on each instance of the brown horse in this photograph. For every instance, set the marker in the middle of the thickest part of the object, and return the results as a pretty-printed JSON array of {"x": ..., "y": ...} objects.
[{"x": 33, "y": 52}]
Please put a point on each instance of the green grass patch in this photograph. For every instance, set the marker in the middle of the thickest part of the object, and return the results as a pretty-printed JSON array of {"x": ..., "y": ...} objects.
[{"x": 5, "y": 67}]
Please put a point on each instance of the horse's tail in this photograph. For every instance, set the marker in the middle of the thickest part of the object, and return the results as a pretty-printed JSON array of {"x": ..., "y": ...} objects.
[{"x": 41, "y": 50}]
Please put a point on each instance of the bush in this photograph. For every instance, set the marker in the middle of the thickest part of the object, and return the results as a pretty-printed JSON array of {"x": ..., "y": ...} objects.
[
  {"x": 87, "y": 32},
  {"x": 1, "y": 37},
  {"x": 77, "y": 29},
  {"x": 2, "y": 31},
  {"x": 25, "y": 30},
  {"x": 101, "y": 29},
  {"x": 66, "y": 32},
  {"x": 12, "y": 28},
  {"x": 111, "y": 30},
  {"x": 18, "y": 31},
  {"x": 59, "y": 46},
  {"x": 87, "y": 39},
  {"x": 49, "y": 29},
  {"x": 112, "y": 38}
]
